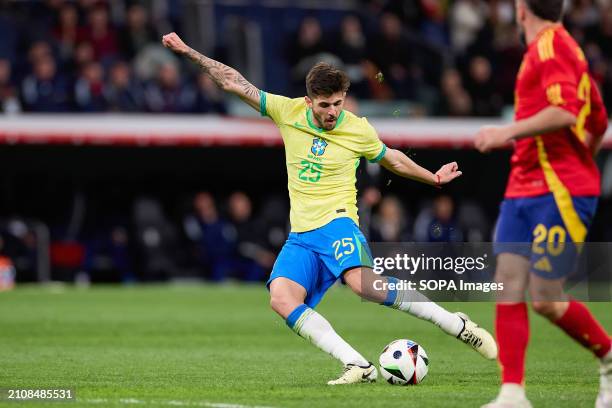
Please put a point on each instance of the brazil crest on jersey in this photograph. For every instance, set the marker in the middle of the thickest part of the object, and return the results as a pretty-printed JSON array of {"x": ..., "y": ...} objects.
[{"x": 321, "y": 164}]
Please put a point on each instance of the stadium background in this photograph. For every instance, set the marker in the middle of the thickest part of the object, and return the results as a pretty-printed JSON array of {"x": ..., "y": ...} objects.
[{"x": 90, "y": 190}]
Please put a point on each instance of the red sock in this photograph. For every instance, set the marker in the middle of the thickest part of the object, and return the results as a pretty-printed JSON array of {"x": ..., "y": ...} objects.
[
  {"x": 580, "y": 324},
  {"x": 512, "y": 331}
]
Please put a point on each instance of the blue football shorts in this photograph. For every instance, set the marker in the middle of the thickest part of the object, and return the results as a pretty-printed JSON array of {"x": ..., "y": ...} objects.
[
  {"x": 317, "y": 259},
  {"x": 546, "y": 229}
]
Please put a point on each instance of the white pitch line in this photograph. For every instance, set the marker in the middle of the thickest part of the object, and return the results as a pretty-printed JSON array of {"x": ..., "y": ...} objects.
[
  {"x": 130, "y": 401},
  {"x": 172, "y": 403}
]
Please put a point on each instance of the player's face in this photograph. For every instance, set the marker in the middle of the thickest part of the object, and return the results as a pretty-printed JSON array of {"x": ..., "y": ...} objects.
[{"x": 326, "y": 109}]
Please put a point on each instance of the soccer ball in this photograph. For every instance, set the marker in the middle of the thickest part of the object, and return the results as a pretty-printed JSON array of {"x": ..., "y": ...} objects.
[{"x": 403, "y": 362}]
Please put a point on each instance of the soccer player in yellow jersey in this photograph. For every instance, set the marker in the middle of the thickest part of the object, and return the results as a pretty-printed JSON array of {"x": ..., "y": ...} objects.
[{"x": 323, "y": 145}]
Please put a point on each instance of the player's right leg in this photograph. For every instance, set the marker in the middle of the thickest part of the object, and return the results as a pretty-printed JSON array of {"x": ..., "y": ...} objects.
[
  {"x": 511, "y": 318},
  {"x": 295, "y": 288},
  {"x": 512, "y": 330},
  {"x": 362, "y": 281}
]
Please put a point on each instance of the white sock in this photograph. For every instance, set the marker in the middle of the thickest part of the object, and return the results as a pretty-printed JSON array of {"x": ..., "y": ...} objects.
[
  {"x": 420, "y": 306},
  {"x": 314, "y": 328},
  {"x": 512, "y": 390}
]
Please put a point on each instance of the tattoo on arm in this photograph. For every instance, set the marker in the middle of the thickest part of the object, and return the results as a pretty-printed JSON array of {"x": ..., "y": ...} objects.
[{"x": 223, "y": 76}]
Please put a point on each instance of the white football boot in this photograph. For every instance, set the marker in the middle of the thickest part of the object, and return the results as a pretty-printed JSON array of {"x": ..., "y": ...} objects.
[
  {"x": 355, "y": 374},
  {"x": 604, "y": 399},
  {"x": 477, "y": 338},
  {"x": 510, "y": 396}
]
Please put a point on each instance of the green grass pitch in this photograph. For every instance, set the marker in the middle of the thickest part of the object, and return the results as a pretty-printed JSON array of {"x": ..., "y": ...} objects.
[{"x": 221, "y": 346}]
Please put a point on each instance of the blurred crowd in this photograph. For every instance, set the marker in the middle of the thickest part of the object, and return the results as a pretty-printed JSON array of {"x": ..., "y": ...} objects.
[
  {"x": 96, "y": 56},
  {"x": 456, "y": 58},
  {"x": 450, "y": 58},
  {"x": 216, "y": 239},
  {"x": 453, "y": 58}
]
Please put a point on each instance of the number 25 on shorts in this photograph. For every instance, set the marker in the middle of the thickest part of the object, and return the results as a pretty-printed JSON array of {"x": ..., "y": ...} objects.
[{"x": 343, "y": 247}]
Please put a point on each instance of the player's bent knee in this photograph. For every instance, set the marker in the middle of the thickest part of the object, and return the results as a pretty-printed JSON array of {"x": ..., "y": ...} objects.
[
  {"x": 283, "y": 304},
  {"x": 352, "y": 278},
  {"x": 356, "y": 288},
  {"x": 547, "y": 309}
]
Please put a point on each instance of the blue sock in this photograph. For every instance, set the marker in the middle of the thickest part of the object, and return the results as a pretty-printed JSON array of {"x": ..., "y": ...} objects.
[
  {"x": 295, "y": 315},
  {"x": 391, "y": 293}
]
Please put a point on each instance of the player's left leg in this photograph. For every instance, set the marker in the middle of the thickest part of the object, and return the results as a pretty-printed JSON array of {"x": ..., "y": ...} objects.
[
  {"x": 577, "y": 321},
  {"x": 297, "y": 284},
  {"x": 562, "y": 226},
  {"x": 287, "y": 299},
  {"x": 572, "y": 316},
  {"x": 362, "y": 281}
]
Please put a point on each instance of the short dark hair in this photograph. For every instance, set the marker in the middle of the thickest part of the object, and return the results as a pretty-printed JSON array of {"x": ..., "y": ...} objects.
[
  {"x": 324, "y": 79},
  {"x": 551, "y": 10}
]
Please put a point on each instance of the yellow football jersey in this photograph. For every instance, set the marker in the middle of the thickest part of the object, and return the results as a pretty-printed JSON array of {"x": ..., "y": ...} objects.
[{"x": 321, "y": 164}]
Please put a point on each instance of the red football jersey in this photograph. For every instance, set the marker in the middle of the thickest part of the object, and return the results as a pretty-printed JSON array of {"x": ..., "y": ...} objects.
[{"x": 554, "y": 72}]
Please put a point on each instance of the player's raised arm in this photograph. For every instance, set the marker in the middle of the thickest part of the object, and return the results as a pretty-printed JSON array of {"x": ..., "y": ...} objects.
[
  {"x": 225, "y": 77},
  {"x": 400, "y": 164}
]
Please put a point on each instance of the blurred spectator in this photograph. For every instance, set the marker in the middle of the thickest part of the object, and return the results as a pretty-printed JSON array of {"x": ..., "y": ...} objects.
[
  {"x": 137, "y": 33},
  {"x": 434, "y": 26},
  {"x": 100, "y": 33},
  {"x": 601, "y": 34},
  {"x": 352, "y": 50},
  {"x": 167, "y": 94},
  {"x": 391, "y": 51},
  {"x": 582, "y": 14},
  {"x": 443, "y": 226},
  {"x": 304, "y": 50},
  {"x": 600, "y": 38},
  {"x": 389, "y": 224},
  {"x": 109, "y": 257},
  {"x": 211, "y": 236},
  {"x": 39, "y": 50},
  {"x": 122, "y": 92},
  {"x": 467, "y": 17},
  {"x": 252, "y": 257},
  {"x": 155, "y": 238},
  {"x": 370, "y": 198},
  {"x": 88, "y": 90},
  {"x": 45, "y": 90},
  {"x": 473, "y": 221},
  {"x": 67, "y": 33},
  {"x": 274, "y": 217},
  {"x": 454, "y": 99},
  {"x": 18, "y": 242},
  {"x": 209, "y": 98},
  {"x": 9, "y": 34},
  {"x": 485, "y": 100},
  {"x": 83, "y": 55},
  {"x": 9, "y": 103}
]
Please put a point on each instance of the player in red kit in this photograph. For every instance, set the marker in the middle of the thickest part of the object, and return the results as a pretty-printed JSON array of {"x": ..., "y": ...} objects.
[{"x": 551, "y": 196}]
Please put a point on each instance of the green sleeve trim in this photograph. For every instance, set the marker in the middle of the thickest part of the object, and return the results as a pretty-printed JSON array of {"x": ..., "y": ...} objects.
[
  {"x": 262, "y": 103},
  {"x": 380, "y": 155}
]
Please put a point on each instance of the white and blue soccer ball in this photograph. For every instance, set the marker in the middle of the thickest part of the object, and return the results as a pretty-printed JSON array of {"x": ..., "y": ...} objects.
[{"x": 404, "y": 362}]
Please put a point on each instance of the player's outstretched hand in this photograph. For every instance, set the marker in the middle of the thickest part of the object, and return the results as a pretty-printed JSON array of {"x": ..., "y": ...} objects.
[
  {"x": 174, "y": 43},
  {"x": 491, "y": 137},
  {"x": 448, "y": 172}
]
